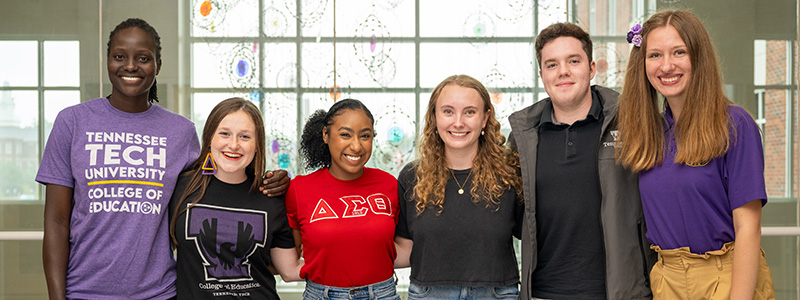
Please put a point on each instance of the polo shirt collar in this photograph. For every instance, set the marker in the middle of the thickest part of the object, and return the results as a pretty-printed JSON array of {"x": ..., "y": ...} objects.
[
  {"x": 594, "y": 112},
  {"x": 669, "y": 122}
]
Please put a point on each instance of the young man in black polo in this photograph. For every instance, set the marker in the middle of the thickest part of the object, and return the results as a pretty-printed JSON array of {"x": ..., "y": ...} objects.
[{"x": 583, "y": 232}]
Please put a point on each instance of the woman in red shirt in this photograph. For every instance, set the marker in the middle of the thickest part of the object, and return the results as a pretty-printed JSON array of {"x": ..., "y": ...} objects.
[{"x": 343, "y": 213}]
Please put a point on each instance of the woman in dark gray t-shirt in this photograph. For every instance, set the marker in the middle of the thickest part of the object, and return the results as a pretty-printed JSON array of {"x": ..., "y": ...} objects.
[{"x": 459, "y": 206}]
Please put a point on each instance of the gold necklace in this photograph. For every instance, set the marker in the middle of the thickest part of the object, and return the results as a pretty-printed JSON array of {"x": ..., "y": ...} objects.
[{"x": 460, "y": 186}]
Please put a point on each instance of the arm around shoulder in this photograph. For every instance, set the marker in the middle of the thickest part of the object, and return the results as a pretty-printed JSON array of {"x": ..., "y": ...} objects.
[{"x": 275, "y": 183}]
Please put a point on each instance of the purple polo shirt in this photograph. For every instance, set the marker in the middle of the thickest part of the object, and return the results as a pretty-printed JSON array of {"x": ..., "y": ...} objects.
[{"x": 693, "y": 206}]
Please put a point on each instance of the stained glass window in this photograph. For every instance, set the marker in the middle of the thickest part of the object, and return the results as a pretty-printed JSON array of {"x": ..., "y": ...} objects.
[{"x": 295, "y": 56}]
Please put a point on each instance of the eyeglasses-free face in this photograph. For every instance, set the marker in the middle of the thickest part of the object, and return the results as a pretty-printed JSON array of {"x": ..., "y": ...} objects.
[{"x": 349, "y": 140}]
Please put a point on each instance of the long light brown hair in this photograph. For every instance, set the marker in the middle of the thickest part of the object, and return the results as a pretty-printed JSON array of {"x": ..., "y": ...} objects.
[
  {"x": 492, "y": 174},
  {"x": 702, "y": 131},
  {"x": 196, "y": 188}
]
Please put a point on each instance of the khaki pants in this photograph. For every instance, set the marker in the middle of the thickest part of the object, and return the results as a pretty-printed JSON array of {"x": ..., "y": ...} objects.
[{"x": 680, "y": 274}]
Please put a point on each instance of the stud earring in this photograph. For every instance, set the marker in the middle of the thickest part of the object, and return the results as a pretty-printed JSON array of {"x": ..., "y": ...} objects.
[
  {"x": 481, "y": 131},
  {"x": 209, "y": 167}
]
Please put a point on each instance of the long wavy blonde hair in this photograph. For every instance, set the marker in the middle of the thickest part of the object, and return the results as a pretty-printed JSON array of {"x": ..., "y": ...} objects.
[
  {"x": 492, "y": 171},
  {"x": 703, "y": 130}
]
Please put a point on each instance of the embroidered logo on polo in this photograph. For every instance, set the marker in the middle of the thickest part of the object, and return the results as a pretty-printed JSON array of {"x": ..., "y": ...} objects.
[
  {"x": 225, "y": 239},
  {"x": 698, "y": 164},
  {"x": 355, "y": 206}
]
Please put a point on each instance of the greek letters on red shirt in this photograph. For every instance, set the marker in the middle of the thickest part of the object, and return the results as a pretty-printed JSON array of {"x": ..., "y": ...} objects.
[
  {"x": 340, "y": 220},
  {"x": 356, "y": 206}
]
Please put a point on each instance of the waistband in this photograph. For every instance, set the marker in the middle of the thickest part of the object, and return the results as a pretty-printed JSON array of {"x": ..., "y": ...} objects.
[
  {"x": 339, "y": 292},
  {"x": 686, "y": 253}
]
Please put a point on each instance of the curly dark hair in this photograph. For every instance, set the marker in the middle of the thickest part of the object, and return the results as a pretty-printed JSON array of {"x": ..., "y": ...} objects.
[
  {"x": 143, "y": 25},
  {"x": 312, "y": 148}
]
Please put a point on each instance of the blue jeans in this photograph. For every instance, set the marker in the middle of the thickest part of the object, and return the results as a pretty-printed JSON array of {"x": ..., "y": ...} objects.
[
  {"x": 381, "y": 290},
  {"x": 462, "y": 292}
]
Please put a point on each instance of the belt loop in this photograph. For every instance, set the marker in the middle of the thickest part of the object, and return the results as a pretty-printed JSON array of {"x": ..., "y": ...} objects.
[
  {"x": 372, "y": 292},
  {"x": 719, "y": 261},
  {"x": 325, "y": 292}
]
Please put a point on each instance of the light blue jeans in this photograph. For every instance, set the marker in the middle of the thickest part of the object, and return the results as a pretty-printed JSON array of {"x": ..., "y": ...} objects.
[
  {"x": 384, "y": 290},
  {"x": 462, "y": 292}
]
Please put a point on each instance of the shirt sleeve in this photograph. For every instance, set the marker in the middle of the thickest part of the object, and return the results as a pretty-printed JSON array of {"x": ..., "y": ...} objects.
[
  {"x": 404, "y": 187},
  {"x": 193, "y": 148},
  {"x": 744, "y": 161},
  {"x": 282, "y": 235},
  {"x": 56, "y": 166},
  {"x": 290, "y": 202}
]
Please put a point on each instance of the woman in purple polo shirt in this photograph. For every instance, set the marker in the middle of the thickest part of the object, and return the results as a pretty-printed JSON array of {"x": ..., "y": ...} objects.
[{"x": 700, "y": 164}]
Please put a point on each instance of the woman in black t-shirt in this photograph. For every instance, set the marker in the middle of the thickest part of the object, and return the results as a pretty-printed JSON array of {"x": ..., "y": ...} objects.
[
  {"x": 461, "y": 205},
  {"x": 225, "y": 230}
]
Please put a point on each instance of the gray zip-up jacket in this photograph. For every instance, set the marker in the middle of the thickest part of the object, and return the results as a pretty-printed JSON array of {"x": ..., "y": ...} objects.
[{"x": 628, "y": 254}]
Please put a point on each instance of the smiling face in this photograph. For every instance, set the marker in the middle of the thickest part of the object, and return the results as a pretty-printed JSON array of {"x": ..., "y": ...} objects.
[
  {"x": 132, "y": 66},
  {"x": 234, "y": 146},
  {"x": 460, "y": 117},
  {"x": 349, "y": 140},
  {"x": 667, "y": 63},
  {"x": 566, "y": 71}
]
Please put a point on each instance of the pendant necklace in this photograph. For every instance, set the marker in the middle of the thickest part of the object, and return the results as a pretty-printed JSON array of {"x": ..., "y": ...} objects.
[{"x": 460, "y": 186}]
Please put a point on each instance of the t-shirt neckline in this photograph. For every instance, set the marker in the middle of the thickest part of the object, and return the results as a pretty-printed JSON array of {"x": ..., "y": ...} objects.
[{"x": 114, "y": 110}]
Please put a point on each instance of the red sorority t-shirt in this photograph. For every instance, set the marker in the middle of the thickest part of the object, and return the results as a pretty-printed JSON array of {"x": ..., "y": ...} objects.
[{"x": 347, "y": 227}]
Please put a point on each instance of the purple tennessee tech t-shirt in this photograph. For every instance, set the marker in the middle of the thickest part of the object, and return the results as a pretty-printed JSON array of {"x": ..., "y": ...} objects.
[
  {"x": 122, "y": 168},
  {"x": 693, "y": 206}
]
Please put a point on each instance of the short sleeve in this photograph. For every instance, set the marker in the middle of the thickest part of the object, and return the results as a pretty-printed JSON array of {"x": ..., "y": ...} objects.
[
  {"x": 56, "y": 166},
  {"x": 291, "y": 206},
  {"x": 404, "y": 190},
  {"x": 744, "y": 161},
  {"x": 282, "y": 233},
  {"x": 193, "y": 149}
]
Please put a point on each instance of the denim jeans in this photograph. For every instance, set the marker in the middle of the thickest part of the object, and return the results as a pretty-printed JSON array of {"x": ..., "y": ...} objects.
[
  {"x": 462, "y": 292},
  {"x": 384, "y": 290}
]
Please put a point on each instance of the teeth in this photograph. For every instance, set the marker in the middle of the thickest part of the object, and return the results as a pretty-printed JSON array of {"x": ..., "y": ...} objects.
[
  {"x": 671, "y": 79},
  {"x": 232, "y": 155},
  {"x": 353, "y": 158},
  {"x": 458, "y": 133},
  {"x": 130, "y": 78}
]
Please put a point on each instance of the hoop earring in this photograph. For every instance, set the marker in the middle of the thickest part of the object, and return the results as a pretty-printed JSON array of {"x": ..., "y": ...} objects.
[{"x": 209, "y": 167}]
